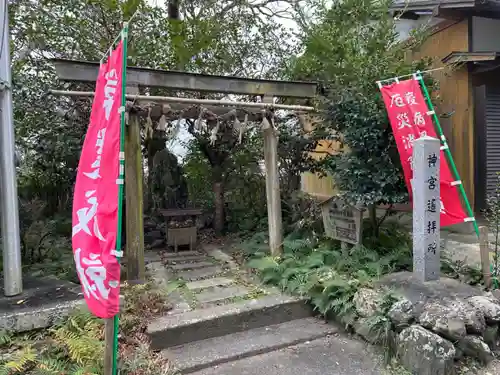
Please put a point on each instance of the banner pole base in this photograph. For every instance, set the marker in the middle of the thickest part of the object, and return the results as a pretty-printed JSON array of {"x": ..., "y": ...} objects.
[{"x": 109, "y": 337}]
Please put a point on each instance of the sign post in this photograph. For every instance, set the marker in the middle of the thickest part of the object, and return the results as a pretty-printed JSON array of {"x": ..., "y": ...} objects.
[
  {"x": 342, "y": 221},
  {"x": 426, "y": 208}
]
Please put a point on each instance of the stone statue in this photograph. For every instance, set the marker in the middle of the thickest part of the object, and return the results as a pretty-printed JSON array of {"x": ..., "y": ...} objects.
[{"x": 168, "y": 185}]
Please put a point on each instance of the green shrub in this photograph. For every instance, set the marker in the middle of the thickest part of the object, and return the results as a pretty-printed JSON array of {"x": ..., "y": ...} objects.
[{"x": 329, "y": 276}]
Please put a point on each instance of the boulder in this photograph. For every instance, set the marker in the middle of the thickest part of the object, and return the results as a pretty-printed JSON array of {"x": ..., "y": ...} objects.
[
  {"x": 367, "y": 302},
  {"x": 473, "y": 318},
  {"x": 402, "y": 313},
  {"x": 459, "y": 354},
  {"x": 362, "y": 329},
  {"x": 152, "y": 236},
  {"x": 157, "y": 244},
  {"x": 452, "y": 319},
  {"x": 491, "y": 336},
  {"x": 488, "y": 306},
  {"x": 149, "y": 224},
  {"x": 421, "y": 293},
  {"x": 494, "y": 294},
  {"x": 475, "y": 347},
  {"x": 424, "y": 353}
]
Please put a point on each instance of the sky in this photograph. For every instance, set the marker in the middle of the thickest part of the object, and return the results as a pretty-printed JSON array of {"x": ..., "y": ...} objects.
[{"x": 177, "y": 145}]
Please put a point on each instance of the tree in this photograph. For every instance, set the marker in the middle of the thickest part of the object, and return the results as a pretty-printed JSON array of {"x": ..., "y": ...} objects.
[
  {"x": 353, "y": 44},
  {"x": 204, "y": 36},
  {"x": 242, "y": 179},
  {"x": 47, "y": 125},
  {"x": 173, "y": 9}
]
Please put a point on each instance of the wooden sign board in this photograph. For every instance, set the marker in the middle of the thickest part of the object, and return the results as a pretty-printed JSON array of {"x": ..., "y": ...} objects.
[{"x": 342, "y": 222}]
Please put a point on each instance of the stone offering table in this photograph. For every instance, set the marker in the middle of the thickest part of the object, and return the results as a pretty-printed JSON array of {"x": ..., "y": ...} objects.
[{"x": 181, "y": 227}]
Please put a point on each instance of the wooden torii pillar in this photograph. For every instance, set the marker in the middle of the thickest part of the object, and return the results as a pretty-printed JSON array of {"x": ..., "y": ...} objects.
[{"x": 82, "y": 71}]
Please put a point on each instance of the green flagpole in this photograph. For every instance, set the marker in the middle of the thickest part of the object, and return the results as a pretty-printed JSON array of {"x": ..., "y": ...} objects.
[
  {"x": 121, "y": 178},
  {"x": 450, "y": 159}
]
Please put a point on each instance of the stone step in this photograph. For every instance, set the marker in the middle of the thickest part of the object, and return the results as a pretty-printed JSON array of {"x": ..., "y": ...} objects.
[
  {"x": 186, "y": 258},
  {"x": 202, "y": 354},
  {"x": 331, "y": 355},
  {"x": 200, "y": 273},
  {"x": 209, "y": 283},
  {"x": 170, "y": 254},
  {"x": 168, "y": 331},
  {"x": 151, "y": 256},
  {"x": 190, "y": 266},
  {"x": 221, "y": 293}
]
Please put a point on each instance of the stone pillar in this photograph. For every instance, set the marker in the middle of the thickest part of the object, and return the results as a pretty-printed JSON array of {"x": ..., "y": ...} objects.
[{"x": 426, "y": 209}]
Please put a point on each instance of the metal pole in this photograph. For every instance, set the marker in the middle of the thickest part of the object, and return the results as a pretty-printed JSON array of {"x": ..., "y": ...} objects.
[{"x": 8, "y": 185}]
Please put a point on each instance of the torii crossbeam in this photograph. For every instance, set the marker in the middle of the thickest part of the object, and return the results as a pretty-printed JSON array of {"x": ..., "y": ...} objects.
[{"x": 81, "y": 71}]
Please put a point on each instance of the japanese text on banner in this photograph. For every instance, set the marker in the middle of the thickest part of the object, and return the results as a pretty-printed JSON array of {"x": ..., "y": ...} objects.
[
  {"x": 95, "y": 201},
  {"x": 410, "y": 119}
]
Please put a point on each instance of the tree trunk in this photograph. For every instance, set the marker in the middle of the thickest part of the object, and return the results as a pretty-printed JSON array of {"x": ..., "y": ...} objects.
[
  {"x": 219, "y": 221},
  {"x": 372, "y": 210}
]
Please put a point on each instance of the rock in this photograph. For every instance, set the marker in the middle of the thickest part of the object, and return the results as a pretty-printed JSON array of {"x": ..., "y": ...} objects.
[
  {"x": 425, "y": 353},
  {"x": 401, "y": 313},
  {"x": 473, "y": 318},
  {"x": 367, "y": 302},
  {"x": 452, "y": 319},
  {"x": 491, "y": 336},
  {"x": 149, "y": 225},
  {"x": 421, "y": 293},
  {"x": 152, "y": 235},
  {"x": 346, "y": 321},
  {"x": 158, "y": 244},
  {"x": 362, "y": 328},
  {"x": 494, "y": 294},
  {"x": 488, "y": 306},
  {"x": 459, "y": 353},
  {"x": 474, "y": 346},
  {"x": 435, "y": 317}
]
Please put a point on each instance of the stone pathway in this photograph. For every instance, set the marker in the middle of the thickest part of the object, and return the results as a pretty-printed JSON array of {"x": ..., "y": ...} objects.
[
  {"x": 332, "y": 355},
  {"x": 206, "y": 278},
  {"x": 464, "y": 247},
  {"x": 224, "y": 322},
  {"x": 221, "y": 315}
]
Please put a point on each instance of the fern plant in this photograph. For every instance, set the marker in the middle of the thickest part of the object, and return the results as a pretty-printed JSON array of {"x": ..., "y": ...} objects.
[
  {"x": 5, "y": 338},
  {"x": 75, "y": 347},
  {"x": 81, "y": 338},
  {"x": 20, "y": 361},
  {"x": 330, "y": 276}
]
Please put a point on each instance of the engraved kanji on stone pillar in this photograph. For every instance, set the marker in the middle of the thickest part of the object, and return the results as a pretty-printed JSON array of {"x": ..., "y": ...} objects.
[{"x": 426, "y": 208}]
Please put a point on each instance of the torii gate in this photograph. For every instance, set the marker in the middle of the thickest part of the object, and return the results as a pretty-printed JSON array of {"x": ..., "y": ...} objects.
[{"x": 82, "y": 71}]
